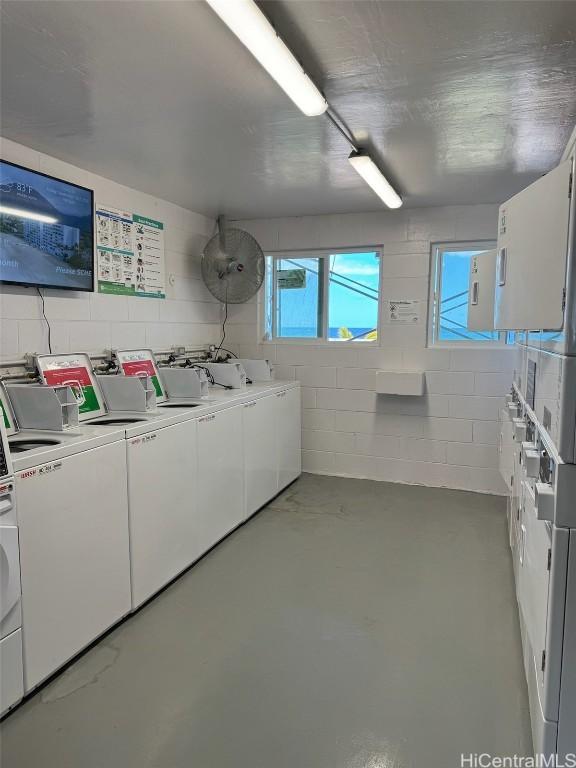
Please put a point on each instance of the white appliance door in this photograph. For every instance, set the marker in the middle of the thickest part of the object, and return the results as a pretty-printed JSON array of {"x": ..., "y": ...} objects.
[
  {"x": 288, "y": 424},
  {"x": 531, "y": 254},
  {"x": 162, "y": 489},
  {"x": 534, "y": 575},
  {"x": 541, "y": 600},
  {"x": 481, "y": 291},
  {"x": 220, "y": 475},
  {"x": 74, "y": 555},
  {"x": 11, "y": 674},
  {"x": 10, "y": 609},
  {"x": 506, "y": 449},
  {"x": 259, "y": 429}
]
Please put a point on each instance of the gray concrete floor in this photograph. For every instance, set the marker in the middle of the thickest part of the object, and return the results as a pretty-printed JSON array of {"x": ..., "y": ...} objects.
[{"x": 350, "y": 624}]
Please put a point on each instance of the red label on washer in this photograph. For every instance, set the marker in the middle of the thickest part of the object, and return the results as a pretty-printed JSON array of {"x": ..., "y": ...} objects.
[
  {"x": 67, "y": 376},
  {"x": 28, "y": 473},
  {"x": 139, "y": 368}
]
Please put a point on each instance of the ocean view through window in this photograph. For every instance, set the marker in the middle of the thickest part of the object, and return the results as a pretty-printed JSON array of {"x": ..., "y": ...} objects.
[{"x": 331, "y": 296}]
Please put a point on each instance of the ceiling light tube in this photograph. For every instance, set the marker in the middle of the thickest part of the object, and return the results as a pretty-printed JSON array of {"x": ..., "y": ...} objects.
[
  {"x": 253, "y": 29},
  {"x": 373, "y": 176},
  {"x": 23, "y": 214}
]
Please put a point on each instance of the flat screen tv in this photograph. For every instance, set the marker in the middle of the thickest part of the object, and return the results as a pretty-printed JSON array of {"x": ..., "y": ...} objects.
[{"x": 46, "y": 230}]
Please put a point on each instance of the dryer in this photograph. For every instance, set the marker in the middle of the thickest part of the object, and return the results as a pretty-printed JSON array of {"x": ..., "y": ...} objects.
[{"x": 11, "y": 672}]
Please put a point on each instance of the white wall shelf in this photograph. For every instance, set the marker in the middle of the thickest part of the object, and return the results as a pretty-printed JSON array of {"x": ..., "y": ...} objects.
[{"x": 400, "y": 383}]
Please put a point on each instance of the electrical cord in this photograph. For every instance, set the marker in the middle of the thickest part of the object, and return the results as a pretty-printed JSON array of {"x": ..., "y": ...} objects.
[
  {"x": 228, "y": 351},
  {"x": 211, "y": 377},
  {"x": 46, "y": 320},
  {"x": 111, "y": 367},
  {"x": 206, "y": 371},
  {"x": 217, "y": 352}
]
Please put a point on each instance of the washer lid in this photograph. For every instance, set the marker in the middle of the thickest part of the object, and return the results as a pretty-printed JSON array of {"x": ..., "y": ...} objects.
[{"x": 74, "y": 370}]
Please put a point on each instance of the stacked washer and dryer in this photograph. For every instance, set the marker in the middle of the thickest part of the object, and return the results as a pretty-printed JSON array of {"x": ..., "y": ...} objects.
[{"x": 534, "y": 286}]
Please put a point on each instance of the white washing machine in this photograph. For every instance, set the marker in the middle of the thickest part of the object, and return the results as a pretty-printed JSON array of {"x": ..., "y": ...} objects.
[
  {"x": 11, "y": 672},
  {"x": 72, "y": 516},
  {"x": 161, "y": 458}
]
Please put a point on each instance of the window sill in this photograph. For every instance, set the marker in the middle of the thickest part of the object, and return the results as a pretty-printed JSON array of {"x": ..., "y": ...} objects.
[{"x": 307, "y": 341}]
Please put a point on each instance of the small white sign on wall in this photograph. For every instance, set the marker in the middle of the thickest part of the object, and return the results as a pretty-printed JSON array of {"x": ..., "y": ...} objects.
[{"x": 402, "y": 312}]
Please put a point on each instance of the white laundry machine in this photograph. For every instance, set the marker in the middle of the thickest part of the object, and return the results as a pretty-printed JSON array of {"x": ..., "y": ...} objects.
[
  {"x": 72, "y": 516},
  {"x": 161, "y": 459},
  {"x": 11, "y": 672}
]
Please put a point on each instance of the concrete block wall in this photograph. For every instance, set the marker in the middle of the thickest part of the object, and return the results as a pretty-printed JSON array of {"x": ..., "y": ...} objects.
[
  {"x": 445, "y": 438},
  {"x": 93, "y": 322}
]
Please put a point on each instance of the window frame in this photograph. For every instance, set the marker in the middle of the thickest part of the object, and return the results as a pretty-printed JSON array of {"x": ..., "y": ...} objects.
[
  {"x": 437, "y": 249},
  {"x": 323, "y": 253}
]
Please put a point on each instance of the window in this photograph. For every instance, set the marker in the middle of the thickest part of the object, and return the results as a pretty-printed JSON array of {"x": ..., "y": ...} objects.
[
  {"x": 449, "y": 294},
  {"x": 331, "y": 296}
]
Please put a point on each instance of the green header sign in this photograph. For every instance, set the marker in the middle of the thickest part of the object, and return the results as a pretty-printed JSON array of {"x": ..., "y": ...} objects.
[{"x": 148, "y": 222}]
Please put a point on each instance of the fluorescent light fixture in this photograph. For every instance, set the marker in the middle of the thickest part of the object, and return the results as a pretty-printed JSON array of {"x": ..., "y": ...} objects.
[
  {"x": 27, "y": 214},
  {"x": 373, "y": 176},
  {"x": 253, "y": 29}
]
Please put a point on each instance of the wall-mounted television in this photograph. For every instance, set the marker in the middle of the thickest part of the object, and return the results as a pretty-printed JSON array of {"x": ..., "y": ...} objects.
[{"x": 46, "y": 230}]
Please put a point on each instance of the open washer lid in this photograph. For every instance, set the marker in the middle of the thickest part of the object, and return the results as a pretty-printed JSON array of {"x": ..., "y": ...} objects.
[
  {"x": 74, "y": 370},
  {"x": 141, "y": 362}
]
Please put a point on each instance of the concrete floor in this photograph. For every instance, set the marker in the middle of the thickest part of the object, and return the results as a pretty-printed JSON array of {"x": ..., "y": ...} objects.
[{"x": 351, "y": 624}]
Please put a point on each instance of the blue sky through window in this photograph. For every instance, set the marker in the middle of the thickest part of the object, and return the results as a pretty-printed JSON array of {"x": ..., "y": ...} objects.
[
  {"x": 352, "y": 295},
  {"x": 353, "y": 290}
]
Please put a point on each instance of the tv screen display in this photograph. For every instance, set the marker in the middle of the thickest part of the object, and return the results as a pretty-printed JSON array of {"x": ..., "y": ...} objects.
[{"x": 46, "y": 230}]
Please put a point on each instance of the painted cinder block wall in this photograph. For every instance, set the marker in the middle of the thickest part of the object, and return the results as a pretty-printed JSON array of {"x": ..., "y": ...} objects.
[
  {"x": 445, "y": 438},
  {"x": 91, "y": 321}
]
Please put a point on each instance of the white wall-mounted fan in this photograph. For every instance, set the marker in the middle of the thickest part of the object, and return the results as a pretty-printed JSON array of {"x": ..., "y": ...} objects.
[{"x": 233, "y": 265}]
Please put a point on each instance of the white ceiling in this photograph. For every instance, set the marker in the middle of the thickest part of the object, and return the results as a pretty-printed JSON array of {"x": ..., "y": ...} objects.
[{"x": 461, "y": 102}]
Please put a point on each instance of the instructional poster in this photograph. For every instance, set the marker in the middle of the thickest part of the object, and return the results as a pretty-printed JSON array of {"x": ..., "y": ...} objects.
[{"x": 129, "y": 254}]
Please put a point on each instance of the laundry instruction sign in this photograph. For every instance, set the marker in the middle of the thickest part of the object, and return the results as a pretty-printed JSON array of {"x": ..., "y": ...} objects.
[
  {"x": 140, "y": 362},
  {"x": 78, "y": 378},
  {"x": 130, "y": 257}
]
